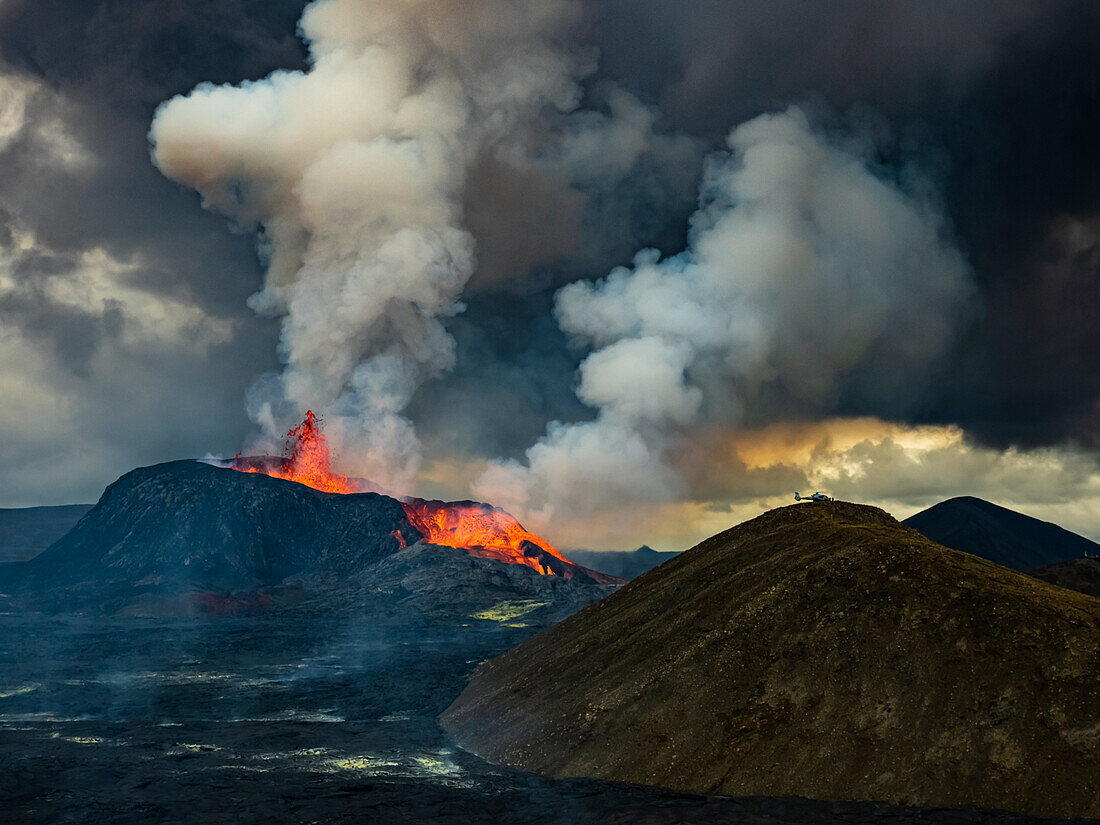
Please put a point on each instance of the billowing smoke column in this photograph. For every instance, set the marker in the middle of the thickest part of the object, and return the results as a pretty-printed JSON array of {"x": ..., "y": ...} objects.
[
  {"x": 353, "y": 173},
  {"x": 804, "y": 267},
  {"x": 809, "y": 269}
]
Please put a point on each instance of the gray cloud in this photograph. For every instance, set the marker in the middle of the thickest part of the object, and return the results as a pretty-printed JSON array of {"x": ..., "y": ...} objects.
[
  {"x": 993, "y": 105},
  {"x": 712, "y": 63},
  {"x": 804, "y": 266},
  {"x": 111, "y": 279}
]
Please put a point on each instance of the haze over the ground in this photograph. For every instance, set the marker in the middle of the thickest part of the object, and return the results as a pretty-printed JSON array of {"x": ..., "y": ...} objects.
[{"x": 632, "y": 270}]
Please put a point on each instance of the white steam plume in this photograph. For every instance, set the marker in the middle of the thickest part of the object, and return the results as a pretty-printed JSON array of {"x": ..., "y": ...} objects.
[
  {"x": 354, "y": 173},
  {"x": 803, "y": 267}
]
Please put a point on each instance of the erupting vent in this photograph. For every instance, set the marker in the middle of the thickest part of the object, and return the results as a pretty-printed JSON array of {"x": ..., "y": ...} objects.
[
  {"x": 480, "y": 529},
  {"x": 308, "y": 461}
]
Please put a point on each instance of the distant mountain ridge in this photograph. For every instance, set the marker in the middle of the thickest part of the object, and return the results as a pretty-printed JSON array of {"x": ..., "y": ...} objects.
[
  {"x": 1082, "y": 575},
  {"x": 626, "y": 564},
  {"x": 27, "y": 531},
  {"x": 1004, "y": 536}
]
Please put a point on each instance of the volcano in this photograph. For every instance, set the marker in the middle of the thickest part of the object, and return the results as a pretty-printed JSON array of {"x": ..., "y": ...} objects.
[
  {"x": 823, "y": 651},
  {"x": 226, "y": 541},
  {"x": 188, "y": 525},
  {"x": 213, "y": 537},
  {"x": 481, "y": 530}
]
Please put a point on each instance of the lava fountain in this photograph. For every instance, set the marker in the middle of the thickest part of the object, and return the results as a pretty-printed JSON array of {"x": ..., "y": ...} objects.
[
  {"x": 308, "y": 461},
  {"x": 481, "y": 530}
]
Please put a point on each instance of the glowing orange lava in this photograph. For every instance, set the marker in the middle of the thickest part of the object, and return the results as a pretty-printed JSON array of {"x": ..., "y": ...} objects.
[
  {"x": 308, "y": 460},
  {"x": 479, "y": 529},
  {"x": 485, "y": 532}
]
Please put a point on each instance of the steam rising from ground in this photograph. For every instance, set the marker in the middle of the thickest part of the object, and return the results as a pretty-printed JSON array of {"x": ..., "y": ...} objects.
[
  {"x": 354, "y": 172},
  {"x": 806, "y": 268}
]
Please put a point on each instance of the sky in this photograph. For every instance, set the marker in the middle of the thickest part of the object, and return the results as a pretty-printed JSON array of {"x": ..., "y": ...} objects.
[{"x": 634, "y": 270}]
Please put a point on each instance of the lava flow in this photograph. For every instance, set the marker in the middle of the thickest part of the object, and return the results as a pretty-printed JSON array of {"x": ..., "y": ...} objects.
[
  {"x": 479, "y": 529},
  {"x": 486, "y": 532}
]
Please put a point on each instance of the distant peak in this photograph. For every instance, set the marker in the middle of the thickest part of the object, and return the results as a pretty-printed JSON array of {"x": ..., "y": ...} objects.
[{"x": 981, "y": 502}]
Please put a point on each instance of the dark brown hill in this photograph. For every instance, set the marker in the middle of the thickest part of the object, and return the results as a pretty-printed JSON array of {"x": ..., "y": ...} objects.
[
  {"x": 1082, "y": 575},
  {"x": 624, "y": 564},
  {"x": 820, "y": 650}
]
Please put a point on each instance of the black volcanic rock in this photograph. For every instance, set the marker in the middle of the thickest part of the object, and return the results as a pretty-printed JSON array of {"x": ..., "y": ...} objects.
[
  {"x": 624, "y": 564},
  {"x": 1082, "y": 575},
  {"x": 186, "y": 524},
  {"x": 823, "y": 651},
  {"x": 442, "y": 582},
  {"x": 27, "y": 531},
  {"x": 1004, "y": 536}
]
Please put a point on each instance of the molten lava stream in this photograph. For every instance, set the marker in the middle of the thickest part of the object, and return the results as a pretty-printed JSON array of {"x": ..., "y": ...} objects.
[{"x": 482, "y": 530}]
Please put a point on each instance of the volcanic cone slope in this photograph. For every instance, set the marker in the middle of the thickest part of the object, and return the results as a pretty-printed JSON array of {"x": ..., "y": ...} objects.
[
  {"x": 188, "y": 523},
  {"x": 187, "y": 538},
  {"x": 819, "y": 650}
]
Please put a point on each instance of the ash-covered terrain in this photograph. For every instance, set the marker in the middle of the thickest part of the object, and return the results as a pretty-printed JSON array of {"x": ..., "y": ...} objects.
[
  {"x": 214, "y": 646},
  {"x": 262, "y": 719}
]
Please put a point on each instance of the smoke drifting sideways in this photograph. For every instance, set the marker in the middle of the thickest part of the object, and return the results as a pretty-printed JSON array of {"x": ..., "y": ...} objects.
[
  {"x": 353, "y": 174},
  {"x": 808, "y": 269}
]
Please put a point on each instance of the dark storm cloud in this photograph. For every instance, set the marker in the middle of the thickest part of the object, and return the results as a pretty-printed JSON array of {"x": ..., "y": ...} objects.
[
  {"x": 1025, "y": 190},
  {"x": 995, "y": 102},
  {"x": 1003, "y": 99},
  {"x": 106, "y": 66},
  {"x": 137, "y": 52},
  {"x": 710, "y": 64},
  {"x": 514, "y": 373},
  {"x": 76, "y": 180},
  {"x": 73, "y": 335}
]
